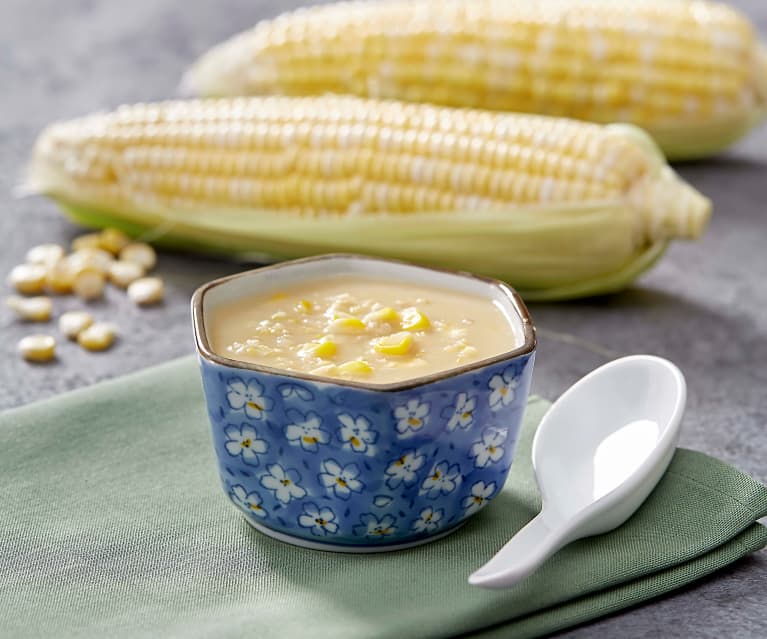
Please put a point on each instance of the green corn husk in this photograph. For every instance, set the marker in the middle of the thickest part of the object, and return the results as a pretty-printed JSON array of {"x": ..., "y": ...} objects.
[{"x": 550, "y": 272}]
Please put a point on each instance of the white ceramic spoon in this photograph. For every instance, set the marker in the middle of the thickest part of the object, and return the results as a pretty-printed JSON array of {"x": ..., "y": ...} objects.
[{"x": 598, "y": 453}]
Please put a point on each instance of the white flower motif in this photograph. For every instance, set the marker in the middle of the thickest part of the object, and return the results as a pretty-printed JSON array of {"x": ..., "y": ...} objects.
[
  {"x": 403, "y": 470},
  {"x": 428, "y": 520},
  {"x": 356, "y": 433},
  {"x": 243, "y": 441},
  {"x": 341, "y": 481},
  {"x": 463, "y": 414},
  {"x": 480, "y": 493},
  {"x": 283, "y": 483},
  {"x": 443, "y": 478},
  {"x": 321, "y": 521},
  {"x": 371, "y": 526},
  {"x": 382, "y": 501},
  {"x": 293, "y": 390},
  {"x": 489, "y": 449},
  {"x": 503, "y": 387},
  {"x": 248, "y": 397},
  {"x": 411, "y": 417},
  {"x": 305, "y": 431},
  {"x": 249, "y": 502}
]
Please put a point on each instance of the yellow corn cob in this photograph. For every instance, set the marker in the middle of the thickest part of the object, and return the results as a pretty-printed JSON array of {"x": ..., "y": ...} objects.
[
  {"x": 544, "y": 202},
  {"x": 692, "y": 73}
]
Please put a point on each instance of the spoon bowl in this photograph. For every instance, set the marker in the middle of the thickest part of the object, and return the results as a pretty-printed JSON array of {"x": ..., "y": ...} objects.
[{"x": 598, "y": 453}]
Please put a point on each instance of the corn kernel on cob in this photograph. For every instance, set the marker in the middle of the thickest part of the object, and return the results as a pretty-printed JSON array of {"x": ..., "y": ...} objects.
[
  {"x": 557, "y": 207},
  {"x": 690, "y": 72}
]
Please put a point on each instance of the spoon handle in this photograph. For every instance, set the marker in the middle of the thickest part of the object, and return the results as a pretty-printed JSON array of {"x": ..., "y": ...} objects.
[{"x": 525, "y": 551}]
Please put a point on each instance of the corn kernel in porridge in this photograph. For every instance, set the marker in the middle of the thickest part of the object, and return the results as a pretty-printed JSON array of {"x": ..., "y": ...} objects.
[{"x": 361, "y": 329}]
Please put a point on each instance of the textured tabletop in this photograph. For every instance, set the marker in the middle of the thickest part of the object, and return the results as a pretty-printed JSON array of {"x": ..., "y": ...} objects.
[{"x": 704, "y": 306}]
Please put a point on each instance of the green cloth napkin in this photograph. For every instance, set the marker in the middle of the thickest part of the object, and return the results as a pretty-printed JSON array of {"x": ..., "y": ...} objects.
[{"x": 113, "y": 524}]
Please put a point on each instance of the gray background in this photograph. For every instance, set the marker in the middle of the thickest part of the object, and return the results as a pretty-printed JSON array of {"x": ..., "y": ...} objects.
[{"x": 703, "y": 306}]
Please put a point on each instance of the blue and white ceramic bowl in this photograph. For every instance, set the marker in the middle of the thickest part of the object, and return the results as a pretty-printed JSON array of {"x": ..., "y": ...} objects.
[{"x": 349, "y": 466}]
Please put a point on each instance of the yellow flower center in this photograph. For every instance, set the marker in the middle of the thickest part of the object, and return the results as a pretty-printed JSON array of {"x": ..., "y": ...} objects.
[
  {"x": 255, "y": 507},
  {"x": 285, "y": 482},
  {"x": 310, "y": 440},
  {"x": 478, "y": 499},
  {"x": 320, "y": 521},
  {"x": 504, "y": 391},
  {"x": 341, "y": 481},
  {"x": 414, "y": 421},
  {"x": 491, "y": 449},
  {"x": 437, "y": 474},
  {"x": 466, "y": 415},
  {"x": 245, "y": 443},
  {"x": 354, "y": 441},
  {"x": 255, "y": 405}
]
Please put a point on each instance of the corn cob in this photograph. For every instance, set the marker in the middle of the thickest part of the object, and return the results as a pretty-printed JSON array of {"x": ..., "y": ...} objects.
[
  {"x": 557, "y": 207},
  {"x": 691, "y": 73}
]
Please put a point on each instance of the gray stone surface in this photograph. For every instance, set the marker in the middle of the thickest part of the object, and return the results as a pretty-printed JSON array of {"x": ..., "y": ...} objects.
[{"x": 703, "y": 306}]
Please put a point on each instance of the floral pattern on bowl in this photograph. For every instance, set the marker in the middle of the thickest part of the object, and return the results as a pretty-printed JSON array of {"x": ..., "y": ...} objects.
[
  {"x": 348, "y": 466},
  {"x": 359, "y": 467}
]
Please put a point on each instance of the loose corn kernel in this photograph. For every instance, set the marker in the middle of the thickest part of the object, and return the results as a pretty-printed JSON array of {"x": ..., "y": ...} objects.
[
  {"x": 347, "y": 325},
  {"x": 60, "y": 277},
  {"x": 97, "y": 337},
  {"x": 123, "y": 273},
  {"x": 141, "y": 253},
  {"x": 37, "y": 348},
  {"x": 72, "y": 323},
  {"x": 113, "y": 240},
  {"x": 394, "y": 344},
  {"x": 414, "y": 320},
  {"x": 324, "y": 349},
  {"x": 354, "y": 368},
  {"x": 45, "y": 254},
  {"x": 382, "y": 316},
  {"x": 89, "y": 240},
  {"x": 28, "y": 279},
  {"x": 304, "y": 306},
  {"x": 89, "y": 284},
  {"x": 90, "y": 258},
  {"x": 33, "y": 309},
  {"x": 146, "y": 291}
]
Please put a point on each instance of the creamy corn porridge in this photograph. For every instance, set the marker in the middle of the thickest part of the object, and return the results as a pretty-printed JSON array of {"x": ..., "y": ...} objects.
[{"x": 361, "y": 328}]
